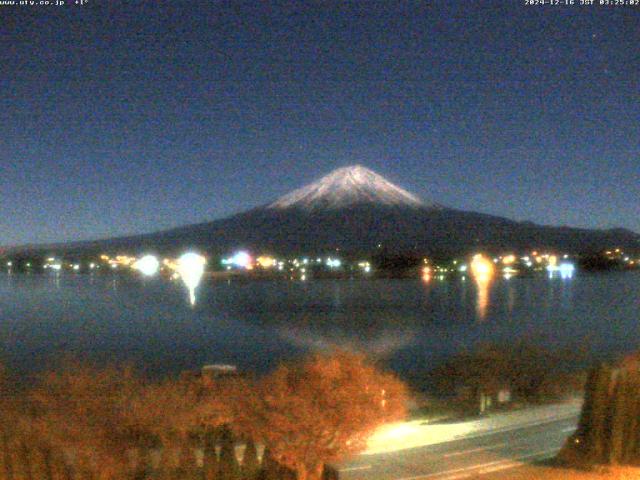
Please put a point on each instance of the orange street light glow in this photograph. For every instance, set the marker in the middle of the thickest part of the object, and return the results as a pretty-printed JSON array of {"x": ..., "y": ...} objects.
[
  {"x": 509, "y": 259},
  {"x": 482, "y": 270},
  {"x": 266, "y": 262},
  {"x": 481, "y": 267}
]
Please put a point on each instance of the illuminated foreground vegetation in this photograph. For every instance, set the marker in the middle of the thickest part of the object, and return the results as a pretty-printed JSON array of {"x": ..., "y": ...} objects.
[{"x": 82, "y": 422}]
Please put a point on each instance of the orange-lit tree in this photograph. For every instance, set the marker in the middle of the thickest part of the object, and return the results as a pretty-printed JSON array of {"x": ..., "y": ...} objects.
[
  {"x": 104, "y": 417},
  {"x": 81, "y": 411},
  {"x": 167, "y": 415},
  {"x": 320, "y": 410}
]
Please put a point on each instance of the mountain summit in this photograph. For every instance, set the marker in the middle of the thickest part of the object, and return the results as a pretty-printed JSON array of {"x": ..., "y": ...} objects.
[{"x": 345, "y": 187}]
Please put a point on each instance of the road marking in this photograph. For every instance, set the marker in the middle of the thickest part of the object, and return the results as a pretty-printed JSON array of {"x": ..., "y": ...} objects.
[
  {"x": 352, "y": 469},
  {"x": 473, "y": 450},
  {"x": 570, "y": 429},
  {"x": 465, "y": 472}
]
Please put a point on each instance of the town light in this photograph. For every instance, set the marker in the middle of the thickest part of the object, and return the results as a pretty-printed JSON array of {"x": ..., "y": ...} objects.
[
  {"x": 266, "y": 262},
  {"x": 567, "y": 270},
  {"x": 240, "y": 259},
  {"x": 426, "y": 274},
  {"x": 482, "y": 270},
  {"x": 147, "y": 265},
  {"x": 481, "y": 267},
  {"x": 191, "y": 268},
  {"x": 333, "y": 262},
  {"x": 509, "y": 259}
]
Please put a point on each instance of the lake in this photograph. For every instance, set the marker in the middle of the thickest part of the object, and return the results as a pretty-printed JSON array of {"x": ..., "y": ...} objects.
[{"x": 411, "y": 325}]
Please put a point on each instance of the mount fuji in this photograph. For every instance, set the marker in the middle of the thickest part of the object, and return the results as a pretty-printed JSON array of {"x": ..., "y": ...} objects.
[
  {"x": 357, "y": 211},
  {"x": 346, "y": 187}
]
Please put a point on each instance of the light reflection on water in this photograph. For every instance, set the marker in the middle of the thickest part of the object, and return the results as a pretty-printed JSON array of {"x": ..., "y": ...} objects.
[
  {"x": 483, "y": 285},
  {"x": 411, "y": 324}
]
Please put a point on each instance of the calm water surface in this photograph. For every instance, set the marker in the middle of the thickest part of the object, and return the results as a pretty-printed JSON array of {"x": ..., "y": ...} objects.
[{"x": 412, "y": 325}]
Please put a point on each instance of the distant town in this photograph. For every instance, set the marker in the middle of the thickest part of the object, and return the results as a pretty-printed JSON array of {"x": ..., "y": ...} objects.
[{"x": 244, "y": 263}]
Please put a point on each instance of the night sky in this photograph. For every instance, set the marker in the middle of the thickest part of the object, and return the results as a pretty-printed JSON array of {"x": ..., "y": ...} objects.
[{"x": 128, "y": 117}]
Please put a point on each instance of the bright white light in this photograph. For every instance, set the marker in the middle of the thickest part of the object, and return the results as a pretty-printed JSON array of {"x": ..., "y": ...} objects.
[
  {"x": 76, "y": 267},
  {"x": 333, "y": 262},
  {"x": 567, "y": 270},
  {"x": 56, "y": 266},
  {"x": 147, "y": 265},
  {"x": 463, "y": 268},
  {"x": 191, "y": 268},
  {"x": 241, "y": 259}
]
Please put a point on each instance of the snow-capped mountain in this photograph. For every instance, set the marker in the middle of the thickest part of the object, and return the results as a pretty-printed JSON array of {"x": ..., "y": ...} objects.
[
  {"x": 347, "y": 186},
  {"x": 356, "y": 210}
]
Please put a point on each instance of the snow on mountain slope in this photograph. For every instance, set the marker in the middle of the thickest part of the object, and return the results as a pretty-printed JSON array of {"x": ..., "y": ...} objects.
[{"x": 347, "y": 186}]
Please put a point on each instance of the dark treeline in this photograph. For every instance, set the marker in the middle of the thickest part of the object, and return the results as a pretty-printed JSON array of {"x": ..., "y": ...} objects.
[
  {"x": 82, "y": 422},
  {"x": 530, "y": 372},
  {"x": 609, "y": 428}
]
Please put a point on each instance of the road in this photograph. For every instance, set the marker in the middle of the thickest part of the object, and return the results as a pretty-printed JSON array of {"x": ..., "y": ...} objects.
[{"x": 478, "y": 454}]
